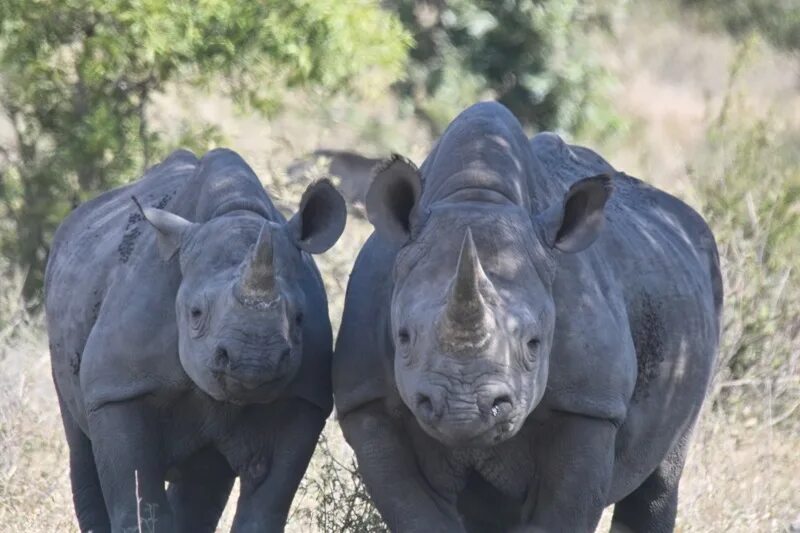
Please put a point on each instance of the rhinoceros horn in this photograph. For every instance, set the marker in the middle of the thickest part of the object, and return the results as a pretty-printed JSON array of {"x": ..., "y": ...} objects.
[
  {"x": 465, "y": 311},
  {"x": 257, "y": 282}
]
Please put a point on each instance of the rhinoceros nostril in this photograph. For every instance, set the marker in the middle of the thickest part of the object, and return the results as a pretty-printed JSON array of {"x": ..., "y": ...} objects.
[
  {"x": 501, "y": 404},
  {"x": 284, "y": 357},
  {"x": 500, "y": 400},
  {"x": 221, "y": 356},
  {"x": 425, "y": 406}
]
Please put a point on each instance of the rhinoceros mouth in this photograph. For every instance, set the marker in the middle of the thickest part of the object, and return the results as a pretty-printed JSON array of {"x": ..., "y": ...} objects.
[
  {"x": 485, "y": 438},
  {"x": 237, "y": 393},
  {"x": 251, "y": 385}
]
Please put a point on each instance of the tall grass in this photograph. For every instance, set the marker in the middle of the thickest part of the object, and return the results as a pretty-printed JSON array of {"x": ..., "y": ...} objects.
[{"x": 747, "y": 183}]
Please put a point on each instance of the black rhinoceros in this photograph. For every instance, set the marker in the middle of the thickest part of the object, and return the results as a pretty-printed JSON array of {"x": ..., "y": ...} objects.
[
  {"x": 527, "y": 337},
  {"x": 192, "y": 351}
]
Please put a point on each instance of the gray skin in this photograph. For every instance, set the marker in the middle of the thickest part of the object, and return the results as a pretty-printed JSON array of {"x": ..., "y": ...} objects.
[
  {"x": 190, "y": 343},
  {"x": 527, "y": 337}
]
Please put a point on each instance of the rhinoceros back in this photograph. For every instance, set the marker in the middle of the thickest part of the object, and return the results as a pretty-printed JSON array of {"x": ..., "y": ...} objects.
[
  {"x": 100, "y": 245},
  {"x": 107, "y": 227}
]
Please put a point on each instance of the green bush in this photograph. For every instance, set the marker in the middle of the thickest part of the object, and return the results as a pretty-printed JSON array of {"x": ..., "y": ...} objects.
[
  {"x": 78, "y": 77},
  {"x": 777, "y": 20},
  {"x": 533, "y": 56},
  {"x": 748, "y": 183}
]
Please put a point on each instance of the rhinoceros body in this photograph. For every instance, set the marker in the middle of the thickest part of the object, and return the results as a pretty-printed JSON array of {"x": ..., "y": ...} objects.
[
  {"x": 179, "y": 353},
  {"x": 521, "y": 347}
]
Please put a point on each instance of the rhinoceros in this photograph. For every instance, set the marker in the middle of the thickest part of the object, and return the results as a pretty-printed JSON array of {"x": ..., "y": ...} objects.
[
  {"x": 527, "y": 337},
  {"x": 190, "y": 343}
]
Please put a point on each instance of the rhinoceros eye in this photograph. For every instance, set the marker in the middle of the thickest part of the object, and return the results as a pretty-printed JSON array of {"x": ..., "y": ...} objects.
[
  {"x": 532, "y": 352},
  {"x": 403, "y": 336},
  {"x": 198, "y": 317}
]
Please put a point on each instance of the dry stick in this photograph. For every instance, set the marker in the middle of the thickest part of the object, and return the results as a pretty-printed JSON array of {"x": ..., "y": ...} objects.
[
  {"x": 778, "y": 419},
  {"x": 138, "y": 502},
  {"x": 769, "y": 449}
]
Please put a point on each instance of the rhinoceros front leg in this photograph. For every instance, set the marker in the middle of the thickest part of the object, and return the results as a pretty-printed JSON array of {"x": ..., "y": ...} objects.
[
  {"x": 386, "y": 462},
  {"x": 125, "y": 440},
  {"x": 271, "y": 455},
  {"x": 199, "y": 496},
  {"x": 574, "y": 458}
]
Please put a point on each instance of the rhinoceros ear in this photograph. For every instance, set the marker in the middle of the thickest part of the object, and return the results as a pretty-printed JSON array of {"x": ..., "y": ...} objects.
[
  {"x": 170, "y": 228},
  {"x": 393, "y": 197},
  {"x": 320, "y": 220},
  {"x": 574, "y": 225}
]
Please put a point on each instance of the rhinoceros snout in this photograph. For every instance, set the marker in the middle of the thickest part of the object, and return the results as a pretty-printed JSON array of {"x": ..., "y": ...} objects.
[
  {"x": 474, "y": 419},
  {"x": 242, "y": 368}
]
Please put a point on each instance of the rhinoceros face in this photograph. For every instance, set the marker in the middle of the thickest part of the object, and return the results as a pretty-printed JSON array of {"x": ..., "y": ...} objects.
[
  {"x": 472, "y": 309},
  {"x": 240, "y": 306}
]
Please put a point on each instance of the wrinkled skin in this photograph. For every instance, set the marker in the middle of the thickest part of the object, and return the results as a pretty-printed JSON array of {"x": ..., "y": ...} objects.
[
  {"x": 527, "y": 337},
  {"x": 190, "y": 343}
]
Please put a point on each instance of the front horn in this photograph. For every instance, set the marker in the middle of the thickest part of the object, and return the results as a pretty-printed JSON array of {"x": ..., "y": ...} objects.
[
  {"x": 258, "y": 283},
  {"x": 465, "y": 310}
]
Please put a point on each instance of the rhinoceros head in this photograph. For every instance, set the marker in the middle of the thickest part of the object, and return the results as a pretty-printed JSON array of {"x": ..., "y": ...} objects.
[
  {"x": 240, "y": 306},
  {"x": 472, "y": 311}
]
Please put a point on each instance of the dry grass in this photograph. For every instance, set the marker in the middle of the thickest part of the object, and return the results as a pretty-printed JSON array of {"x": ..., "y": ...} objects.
[
  {"x": 34, "y": 475},
  {"x": 740, "y": 477}
]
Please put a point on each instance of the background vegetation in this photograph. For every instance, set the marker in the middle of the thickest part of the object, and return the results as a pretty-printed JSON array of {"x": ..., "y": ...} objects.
[
  {"x": 700, "y": 97},
  {"x": 79, "y": 77}
]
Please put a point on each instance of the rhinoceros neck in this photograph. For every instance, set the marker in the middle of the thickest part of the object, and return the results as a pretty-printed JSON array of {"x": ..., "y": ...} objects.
[
  {"x": 483, "y": 156},
  {"x": 482, "y": 185},
  {"x": 224, "y": 183}
]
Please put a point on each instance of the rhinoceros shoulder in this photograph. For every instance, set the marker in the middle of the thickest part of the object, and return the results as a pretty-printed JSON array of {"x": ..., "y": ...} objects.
[{"x": 363, "y": 357}]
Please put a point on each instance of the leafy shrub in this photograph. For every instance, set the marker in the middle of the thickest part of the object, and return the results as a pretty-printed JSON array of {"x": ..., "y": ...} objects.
[
  {"x": 777, "y": 20},
  {"x": 748, "y": 183},
  {"x": 534, "y": 57},
  {"x": 78, "y": 77}
]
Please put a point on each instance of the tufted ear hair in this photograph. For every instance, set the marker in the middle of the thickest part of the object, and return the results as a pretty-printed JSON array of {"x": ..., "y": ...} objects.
[
  {"x": 170, "y": 228},
  {"x": 574, "y": 224},
  {"x": 320, "y": 219},
  {"x": 393, "y": 197}
]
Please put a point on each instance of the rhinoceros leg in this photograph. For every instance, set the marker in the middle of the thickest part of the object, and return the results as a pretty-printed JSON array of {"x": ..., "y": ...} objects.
[
  {"x": 87, "y": 496},
  {"x": 199, "y": 496},
  {"x": 572, "y": 474},
  {"x": 653, "y": 505},
  {"x": 403, "y": 495},
  {"x": 125, "y": 440},
  {"x": 270, "y": 455}
]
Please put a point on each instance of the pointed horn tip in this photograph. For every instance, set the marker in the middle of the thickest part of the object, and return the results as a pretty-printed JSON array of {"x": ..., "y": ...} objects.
[
  {"x": 469, "y": 242},
  {"x": 265, "y": 238},
  {"x": 257, "y": 277},
  {"x": 465, "y": 286},
  {"x": 468, "y": 256}
]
